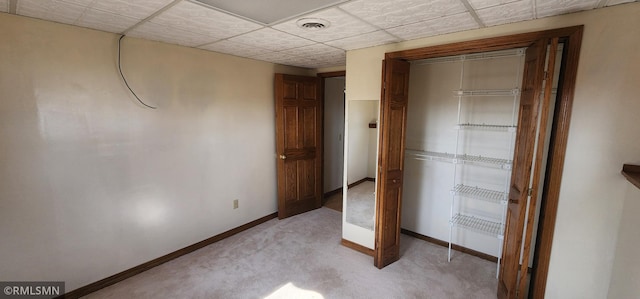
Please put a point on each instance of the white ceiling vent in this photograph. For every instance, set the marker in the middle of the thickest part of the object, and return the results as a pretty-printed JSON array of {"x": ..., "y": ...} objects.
[{"x": 313, "y": 23}]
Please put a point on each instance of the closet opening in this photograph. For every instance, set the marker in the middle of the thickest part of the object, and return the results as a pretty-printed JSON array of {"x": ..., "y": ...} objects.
[
  {"x": 472, "y": 142},
  {"x": 461, "y": 128}
]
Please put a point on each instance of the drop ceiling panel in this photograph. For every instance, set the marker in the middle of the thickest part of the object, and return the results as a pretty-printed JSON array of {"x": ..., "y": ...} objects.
[
  {"x": 52, "y": 10},
  {"x": 332, "y": 62},
  {"x": 170, "y": 35},
  {"x": 4, "y": 5},
  {"x": 138, "y": 9},
  {"x": 85, "y": 3},
  {"x": 341, "y": 26},
  {"x": 322, "y": 63},
  {"x": 301, "y": 62},
  {"x": 282, "y": 58},
  {"x": 270, "y": 11},
  {"x": 480, "y": 4},
  {"x": 363, "y": 41},
  {"x": 326, "y": 62},
  {"x": 97, "y": 19},
  {"x": 547, "y": 8},
  {"x": 233, "y": 48},
  {"x": 454, "y": 23},
  {"x": 460, "y": 22},
  {"x": 387, "y": 14},
  {"x": 271, "y": 39},
  {"x": 276, "y": 57},
  {"x": 506, "y": 13},
  {"x": 321, "y": 55},
  {"x": 317, "y": 51},
  {"x": 202, "y": 20}
]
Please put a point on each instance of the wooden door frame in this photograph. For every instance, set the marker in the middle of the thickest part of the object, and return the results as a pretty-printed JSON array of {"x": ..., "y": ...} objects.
[
  {"x": 572, "y": 39},
  {"x": 323, "y": 77}
]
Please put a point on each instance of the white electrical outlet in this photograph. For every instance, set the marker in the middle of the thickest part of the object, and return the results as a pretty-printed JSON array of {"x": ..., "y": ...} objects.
[{"x": 235, "y": 204}]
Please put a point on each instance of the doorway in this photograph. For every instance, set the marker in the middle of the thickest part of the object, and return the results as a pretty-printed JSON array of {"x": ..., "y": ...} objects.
[
  {"x": 300, "y": 138},
  {"x": 393, "y": 137},
  {"x": 334, "y": 114},
  {"x": 353, "y": 126}
]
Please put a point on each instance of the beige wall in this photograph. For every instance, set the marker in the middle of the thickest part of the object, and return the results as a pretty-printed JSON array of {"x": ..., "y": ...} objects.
[
  {"x": 603, "y": 135},
  {"x": 625, "y": 279},
  {"x": 91, "y": 183}
]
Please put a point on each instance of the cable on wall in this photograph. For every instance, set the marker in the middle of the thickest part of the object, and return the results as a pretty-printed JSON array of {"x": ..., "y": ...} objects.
[{"x": 125, "y": 80}]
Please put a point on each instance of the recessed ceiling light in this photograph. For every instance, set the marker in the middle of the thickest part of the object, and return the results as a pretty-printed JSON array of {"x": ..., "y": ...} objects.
[{"x": 313, "y": 23}]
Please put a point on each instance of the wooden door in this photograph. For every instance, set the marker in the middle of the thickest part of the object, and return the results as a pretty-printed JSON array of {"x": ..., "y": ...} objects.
[
  {"x": 545, "y": 107},
  {"x": 532, "y": 81},
  {"x": 298, "y": 143},
  {"x": 393, "y": 123}
]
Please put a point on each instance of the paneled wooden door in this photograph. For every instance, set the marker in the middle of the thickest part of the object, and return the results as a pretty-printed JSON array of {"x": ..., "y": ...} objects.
[
  {"x": 532, "y": 84},
  {"x": 393, "y": 124},
  {"x": 298, "y": 102}
]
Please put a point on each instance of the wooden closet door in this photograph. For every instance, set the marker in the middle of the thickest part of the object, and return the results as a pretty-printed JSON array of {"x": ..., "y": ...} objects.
[
  {"x": 393, "y": 123},
  {"x": 532, "y": 81}
]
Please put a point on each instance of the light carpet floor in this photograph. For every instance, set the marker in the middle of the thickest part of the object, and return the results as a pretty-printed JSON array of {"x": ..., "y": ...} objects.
[{"x": 301, "y": 257}]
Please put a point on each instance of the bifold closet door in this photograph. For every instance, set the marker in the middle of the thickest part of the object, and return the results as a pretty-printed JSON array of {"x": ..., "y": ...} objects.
[
  {"x": 532, "y": 83},
  {"x": 393, "y": 123}
]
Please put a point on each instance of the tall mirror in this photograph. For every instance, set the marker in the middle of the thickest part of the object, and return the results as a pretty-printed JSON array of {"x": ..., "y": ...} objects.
[{"x": 361, "y": 147}]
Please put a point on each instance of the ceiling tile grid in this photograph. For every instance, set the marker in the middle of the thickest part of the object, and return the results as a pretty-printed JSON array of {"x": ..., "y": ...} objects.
[
  {"x": 105, "y": 15},
  {"x": 97, "y": 19},
  {"x": 366, "y": 40},
  {"x": 323, "y": 54},
  {"x": 341, "y": 26},
  {"x": 331, "y": 63},
  {"x": 85, "y": 3},
  {"x": 234, "y": 48},
  {"x": 271, "y": 39},
  {"x": 387, "y": 14},
  {"x": 170, "y": 35},
  {"x": 480, "y": 4},
  {"x": 448, "y": 24},
  {"x": 321, "y": 64},
  {"x": 202, "y": 20},
  {"x": 302, "y": 62},
  {"x": 138, "y": 9},
  {"x": 507, "y": 13},
  {"x": 317, "y": 51},
  {"x": 282, "y": 58},
  {"x": 546, "y": 8},
  {"x": 52, "y": 10}
]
